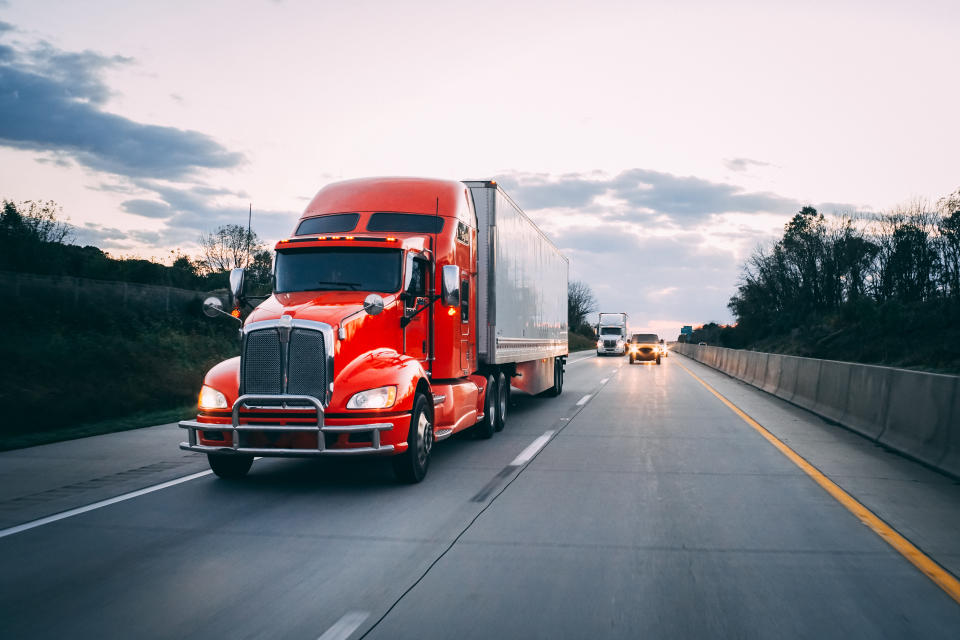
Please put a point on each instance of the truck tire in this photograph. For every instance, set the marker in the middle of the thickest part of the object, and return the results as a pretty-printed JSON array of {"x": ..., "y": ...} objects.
[
  {"x": 229, "y": 466},
  {"x": 557, "y": 387},
  {"x": 411, "y": 466},
  {"x": 486, "y": 427},
  {"x": 503, "y": 399}
]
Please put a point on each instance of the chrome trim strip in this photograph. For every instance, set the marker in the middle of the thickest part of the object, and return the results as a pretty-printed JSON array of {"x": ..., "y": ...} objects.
[{"x": 289, "y": 453}]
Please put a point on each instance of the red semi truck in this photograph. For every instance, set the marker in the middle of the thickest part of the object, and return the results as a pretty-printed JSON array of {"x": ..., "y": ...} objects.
[{"x": 403, "y": 311}]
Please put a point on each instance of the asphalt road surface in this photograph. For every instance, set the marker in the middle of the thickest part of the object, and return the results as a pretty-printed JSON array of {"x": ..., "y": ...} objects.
[{"x": 635, "y": 505}]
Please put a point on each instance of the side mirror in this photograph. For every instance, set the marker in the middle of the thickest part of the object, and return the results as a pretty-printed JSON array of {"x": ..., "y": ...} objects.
[
  {"x": 450, "y": 286},
  {"x": 373, "y": 304},
  {"x": 212, "y": 307},
  {"x": 236, "y": 283}
]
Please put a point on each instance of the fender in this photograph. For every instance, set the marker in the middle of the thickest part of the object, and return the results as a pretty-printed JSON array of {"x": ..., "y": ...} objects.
[
  {"x": 225, "y": 378},
  {"x": 378, "y": 368}
]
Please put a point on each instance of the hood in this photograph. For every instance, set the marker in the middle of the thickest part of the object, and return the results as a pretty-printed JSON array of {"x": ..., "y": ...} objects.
[{"x": 319, "y": 306}]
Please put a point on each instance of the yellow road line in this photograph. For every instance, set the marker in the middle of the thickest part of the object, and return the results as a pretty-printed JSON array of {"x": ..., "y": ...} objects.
[{"x": 943, "y": 578}]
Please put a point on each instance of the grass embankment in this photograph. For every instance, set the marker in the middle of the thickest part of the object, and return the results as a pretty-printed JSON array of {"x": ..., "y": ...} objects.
[
  {"x": 69, "y": 375},
  {"x": 577, "y": 342}
]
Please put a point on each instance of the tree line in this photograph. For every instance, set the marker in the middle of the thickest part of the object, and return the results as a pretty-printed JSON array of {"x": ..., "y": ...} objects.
[
  {"x": 869, "y": 287},
  {"x": 35, "y": 239}
]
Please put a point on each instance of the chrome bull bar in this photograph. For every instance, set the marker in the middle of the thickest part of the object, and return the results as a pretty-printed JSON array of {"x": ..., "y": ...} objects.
[{"x": 320, "y": 428}]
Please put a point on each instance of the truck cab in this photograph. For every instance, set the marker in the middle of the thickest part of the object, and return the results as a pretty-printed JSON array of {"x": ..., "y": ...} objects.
[
  {"x": 611, "y": 334},
  {"x": 367, "y": 344}
]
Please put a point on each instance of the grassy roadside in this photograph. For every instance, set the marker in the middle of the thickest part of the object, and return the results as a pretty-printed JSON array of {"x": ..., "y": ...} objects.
[
  {"x": 577, "y": 342},
  {"x": 112, "y": 425}
]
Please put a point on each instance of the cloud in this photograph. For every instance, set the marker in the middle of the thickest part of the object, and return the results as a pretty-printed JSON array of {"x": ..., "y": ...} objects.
[
  {"x": 742, "y": 164},
  {"x": 51, "y": 100},
  {"x": 146, "y": 208},
  {"x": 642, "y": 193}
]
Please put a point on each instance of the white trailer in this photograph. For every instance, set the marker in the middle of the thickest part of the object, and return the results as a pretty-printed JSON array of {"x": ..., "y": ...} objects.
[{"x": 521, "y": 293}]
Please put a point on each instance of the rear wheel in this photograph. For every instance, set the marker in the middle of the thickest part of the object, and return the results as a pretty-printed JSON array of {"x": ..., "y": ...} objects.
[
  {"x": 485, "y": 428},
  {"x": 503, "y": 398},
  {"x": 411, "y": 466},
  {"x": 557, "y": 387},
  {"x": 229, "y": 466}
]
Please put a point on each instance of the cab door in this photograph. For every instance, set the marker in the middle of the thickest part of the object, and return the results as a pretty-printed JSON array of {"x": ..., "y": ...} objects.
[{"x": 416, "y": 332}]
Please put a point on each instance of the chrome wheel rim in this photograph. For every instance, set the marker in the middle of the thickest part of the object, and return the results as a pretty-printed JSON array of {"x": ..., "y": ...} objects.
[{"x": 424, "y": 438}]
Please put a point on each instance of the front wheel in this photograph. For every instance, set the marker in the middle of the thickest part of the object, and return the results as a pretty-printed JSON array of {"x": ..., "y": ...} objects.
[
  {"x": 411, "y": 466},
  {"x": 632, "y": 359},
  {"x": 658, "y": 359},
  {"x": 229, "y": 466}
]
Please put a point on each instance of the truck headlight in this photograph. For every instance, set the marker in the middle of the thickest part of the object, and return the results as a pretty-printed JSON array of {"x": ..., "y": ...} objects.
[
  {"x": 379, "y": 398},
  {"x": 210, "y": 398},
  {"x": 619, "y": 343},
  {"x": 599, "y": 343}
]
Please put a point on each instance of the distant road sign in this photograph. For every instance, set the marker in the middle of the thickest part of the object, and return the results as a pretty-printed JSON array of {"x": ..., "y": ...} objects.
[{"x": 686, "y": 330}]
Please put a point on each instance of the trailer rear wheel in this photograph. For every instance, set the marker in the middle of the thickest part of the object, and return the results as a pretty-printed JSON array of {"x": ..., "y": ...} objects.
[
  {"x": 229, "y": 466},
  {"x": 557, "y": 387},
  {"x": 485, "y": 428},
  {"x": 503, "y": 398},
  {"x": 411, "y": 466}
]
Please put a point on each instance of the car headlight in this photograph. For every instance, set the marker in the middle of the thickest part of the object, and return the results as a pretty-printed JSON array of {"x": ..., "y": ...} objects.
[
  {"x": 633, "y": 347},
  {"x": 379, "y": 398},
  {"x": 210, "y": 398}
]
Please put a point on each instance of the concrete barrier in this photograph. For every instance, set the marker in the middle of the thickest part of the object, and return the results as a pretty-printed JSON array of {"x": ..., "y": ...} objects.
[
  {"x": 915, "y": 413},
  {"x": 867, "y": 403},
  {"x": 918, "y": 419},
  {"x": 772, "y": 378},
  {"x": 808, "y": 378},
  {"x": 833, "y": 390}
]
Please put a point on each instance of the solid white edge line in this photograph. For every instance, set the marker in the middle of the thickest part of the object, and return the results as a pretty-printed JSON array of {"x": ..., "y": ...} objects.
[
  {"x": 582, "y": 401},
  {"x": 33, "y": 524},
  {"x": 527, "y": 454},
  {"x": 346, "y": 625}
]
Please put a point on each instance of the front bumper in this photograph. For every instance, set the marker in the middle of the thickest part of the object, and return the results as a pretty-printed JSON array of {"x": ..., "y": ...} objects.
[{"x": 238, "y": 442}]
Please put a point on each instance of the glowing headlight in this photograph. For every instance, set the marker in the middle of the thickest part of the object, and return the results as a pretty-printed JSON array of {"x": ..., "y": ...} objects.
[
  {"x": 599, "y": 343},
  {"x": 210, "y": 398},
  {"x": 619, "y": 343},
  {"x": 379, "y": 398},
  {"x": 633, "y": 347}
]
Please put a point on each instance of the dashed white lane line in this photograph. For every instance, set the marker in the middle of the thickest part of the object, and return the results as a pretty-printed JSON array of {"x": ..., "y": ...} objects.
[
  {"x": 604, "y": 381},
  {"x": 33, "y": 524},
  {"x": 345, "y": 626},
  {"x": 532, "y": 449},
  {"x": 582, "y": 401}
]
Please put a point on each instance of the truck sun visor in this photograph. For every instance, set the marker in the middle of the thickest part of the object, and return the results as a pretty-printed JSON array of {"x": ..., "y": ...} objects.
[
  {"x": 408, "y": 222},
  {"x": 335, "y": 223}
]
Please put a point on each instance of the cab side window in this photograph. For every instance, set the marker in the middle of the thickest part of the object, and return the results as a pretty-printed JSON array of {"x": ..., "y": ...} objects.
[{"x": 417, "y": 282}]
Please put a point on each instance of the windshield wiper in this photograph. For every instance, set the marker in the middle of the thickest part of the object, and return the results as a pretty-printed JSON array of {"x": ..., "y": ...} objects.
[{"x": 352, "y": 286}]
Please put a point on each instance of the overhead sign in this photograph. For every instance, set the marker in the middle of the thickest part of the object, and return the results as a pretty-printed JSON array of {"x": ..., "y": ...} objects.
[{"x": 686, "y": 330}]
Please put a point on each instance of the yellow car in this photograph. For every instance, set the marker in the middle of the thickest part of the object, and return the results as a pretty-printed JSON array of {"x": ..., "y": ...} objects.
[{"x": 644, "y": 346}]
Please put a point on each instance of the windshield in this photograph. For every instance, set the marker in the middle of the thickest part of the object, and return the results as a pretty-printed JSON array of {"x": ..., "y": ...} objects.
[
  {"x": 645, "y": 337},
  {"x": 611, "y": 331},
  {"x": 338, "y": 269}
]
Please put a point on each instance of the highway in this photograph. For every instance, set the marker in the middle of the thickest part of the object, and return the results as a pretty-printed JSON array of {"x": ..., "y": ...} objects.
[{"x": 635, "y": 505}]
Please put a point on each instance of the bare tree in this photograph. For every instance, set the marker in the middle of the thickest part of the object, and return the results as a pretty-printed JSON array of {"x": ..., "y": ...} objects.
[
  {"x": 228, "y": 247},
  {"x": 580, "y": 302},
  {"x": 34, "y": 220}
]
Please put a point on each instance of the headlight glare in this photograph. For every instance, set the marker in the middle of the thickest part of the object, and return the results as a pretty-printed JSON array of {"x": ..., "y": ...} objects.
[
  {"x": 210, "y": 398},
  {"x": 379, "y": 398}
]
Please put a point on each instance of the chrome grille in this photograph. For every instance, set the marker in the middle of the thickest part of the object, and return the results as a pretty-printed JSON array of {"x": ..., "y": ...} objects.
[
  {"x": 261, "y": 370},
  {"x": 307, "y": 369},
  {"x": 281, "y": 361}
]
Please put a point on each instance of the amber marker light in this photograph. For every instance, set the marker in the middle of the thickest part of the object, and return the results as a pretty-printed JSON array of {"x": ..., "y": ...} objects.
[
  {"x": 391, "y": 239},
  {"x": 452, "y": 311},
  {"x": 235, "y": 313}
]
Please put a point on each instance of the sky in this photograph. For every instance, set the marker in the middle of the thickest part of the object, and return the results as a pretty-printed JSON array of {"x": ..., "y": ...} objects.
[{"x": 656, "y": 143}]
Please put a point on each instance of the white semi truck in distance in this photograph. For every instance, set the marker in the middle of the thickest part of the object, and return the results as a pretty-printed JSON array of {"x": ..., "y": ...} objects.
[{"x": 612, "y": 334}]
